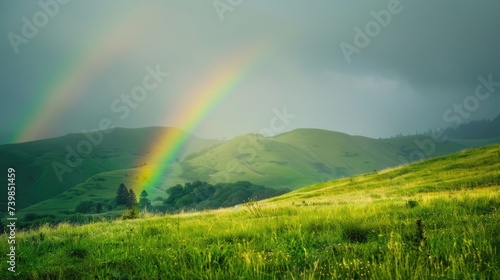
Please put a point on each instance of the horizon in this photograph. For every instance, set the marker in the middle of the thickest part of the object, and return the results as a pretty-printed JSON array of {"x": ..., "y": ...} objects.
[{"x": 263, "y": 135}]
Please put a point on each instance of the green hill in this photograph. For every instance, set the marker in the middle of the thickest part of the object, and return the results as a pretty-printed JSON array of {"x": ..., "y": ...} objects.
[
  {"x": 119, "y": 149},
  {"x": 305, "y": 156},
  {"x": 433, "y": 219},
  {"x": 286, "y": 161},
  {"x": 467, "y": 170}
]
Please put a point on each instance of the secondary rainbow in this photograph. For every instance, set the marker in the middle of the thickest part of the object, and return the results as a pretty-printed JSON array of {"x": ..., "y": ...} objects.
[{"x": 75, "y": 75}]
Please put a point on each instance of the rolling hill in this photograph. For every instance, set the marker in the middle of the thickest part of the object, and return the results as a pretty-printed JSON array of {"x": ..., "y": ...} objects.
[
  {"x": 306, "y": 156},
  {"x": 432, "y": 219},
  {"x": 120, "y": 149},
  {"x": 286, "y": 161}
]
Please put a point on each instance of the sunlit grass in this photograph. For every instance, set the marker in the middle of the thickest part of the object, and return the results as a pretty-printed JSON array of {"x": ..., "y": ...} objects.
[
  {"x": 314, "y": 241},
  {"x": 354, "y": 228}
]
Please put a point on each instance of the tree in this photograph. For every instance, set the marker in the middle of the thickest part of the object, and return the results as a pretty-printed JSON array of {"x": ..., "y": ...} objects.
[
  {"x": 122, "y": 195},
  {"x": 174, "y": 193},
  {"x": 98, "y": 208},
  {"x": 144, "y": 202},
  {"x": 85, "y": 206},
  {"x": 132, "y": 199}
]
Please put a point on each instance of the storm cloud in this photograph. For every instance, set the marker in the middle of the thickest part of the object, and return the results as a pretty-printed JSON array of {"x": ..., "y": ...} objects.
[{"x": 417, "y": 64}]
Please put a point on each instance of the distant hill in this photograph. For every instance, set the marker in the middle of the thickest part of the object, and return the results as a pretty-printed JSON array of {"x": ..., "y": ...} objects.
[
  {"x": 119, "y": 149},
  {"x": 305, "y": 156},
  {"x": 287, "y": 161},
  {"x": 480, "y": 129},
  {"x": 468, "y": 170}
]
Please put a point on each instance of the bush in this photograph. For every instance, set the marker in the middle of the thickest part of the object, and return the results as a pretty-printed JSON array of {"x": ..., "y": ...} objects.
[
  {"x": 411, "y": 203},
  {"x": 131, "y": 214},
  {"x": 30, "y": 217},
  {"x": 85, "y": 207}
]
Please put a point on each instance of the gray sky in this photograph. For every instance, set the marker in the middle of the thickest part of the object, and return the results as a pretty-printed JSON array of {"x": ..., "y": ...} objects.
[{"x": 403, "y": 74}]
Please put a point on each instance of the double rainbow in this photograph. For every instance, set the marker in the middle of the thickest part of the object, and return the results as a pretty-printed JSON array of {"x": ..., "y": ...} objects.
[{"x": 73, "y": 79}]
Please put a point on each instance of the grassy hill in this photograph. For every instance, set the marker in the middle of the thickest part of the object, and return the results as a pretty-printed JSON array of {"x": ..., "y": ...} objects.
[
  {"x": 433, "y": 219},
  {"x": 101, "y": 188},
  {"x": 119, "y": 149},
  {"x": 289, "y": 160},
  {"x": 286, "y": 161},
  {"x": 306, "y": 156}
]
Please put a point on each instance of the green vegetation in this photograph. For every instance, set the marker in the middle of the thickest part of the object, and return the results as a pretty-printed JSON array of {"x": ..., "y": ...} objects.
[
  {"x": 202, "y": 195},
  {"x": 307, "y": 156},
  {"x": 122, "y": 195},
  {"x": 286, "y": 161},
  {"x": 119, "y": 149},
  {"x": 144, "y": 202},
  {"x": 437, "y": 219}
]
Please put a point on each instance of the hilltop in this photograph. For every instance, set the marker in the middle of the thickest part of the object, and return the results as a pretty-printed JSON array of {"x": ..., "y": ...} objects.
[
  {"x": 286, "y": 161},
  {"x": 305, "y": 156}
]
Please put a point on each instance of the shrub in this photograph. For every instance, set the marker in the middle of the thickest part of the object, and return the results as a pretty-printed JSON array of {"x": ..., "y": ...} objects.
[
  {"x": 411, "y": 203},
  {"x": 85, "y": 207},
  {"x": 30, "y": 217},
  {"x": 131, "y": 214}
]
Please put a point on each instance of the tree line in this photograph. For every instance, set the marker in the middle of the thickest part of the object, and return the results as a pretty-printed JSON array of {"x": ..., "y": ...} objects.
[
  {"x": 202, "y": 195},
  {"x": 196, "y": 195},
  {"x": 124, "y": 197}
]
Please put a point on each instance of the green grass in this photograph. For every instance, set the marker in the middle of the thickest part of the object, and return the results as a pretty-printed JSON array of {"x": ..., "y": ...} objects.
[
  {"x": 377, "y": 241},
  {"x": 420, "y": 221}
]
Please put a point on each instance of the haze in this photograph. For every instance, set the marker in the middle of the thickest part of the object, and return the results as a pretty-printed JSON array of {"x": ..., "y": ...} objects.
[{"x": 420, "y": 62}]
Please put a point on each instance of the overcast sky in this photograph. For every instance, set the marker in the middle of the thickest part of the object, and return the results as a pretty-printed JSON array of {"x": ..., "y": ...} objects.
[{"x": 402, "y": 74}]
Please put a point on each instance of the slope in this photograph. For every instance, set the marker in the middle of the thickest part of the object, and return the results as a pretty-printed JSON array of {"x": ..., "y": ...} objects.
[
  {"x": 305, "y": 156},
  {"x": 463, "y": 171},
  {"x": 47, "y": 168},
  {"x": 433, "y": 219}
]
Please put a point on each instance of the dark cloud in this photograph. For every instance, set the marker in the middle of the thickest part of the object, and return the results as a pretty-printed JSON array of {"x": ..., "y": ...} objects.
[{"x": 425, "y": 60}]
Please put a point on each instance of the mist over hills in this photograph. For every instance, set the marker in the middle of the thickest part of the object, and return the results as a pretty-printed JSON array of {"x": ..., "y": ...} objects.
[{"x": 480, "y": 129}]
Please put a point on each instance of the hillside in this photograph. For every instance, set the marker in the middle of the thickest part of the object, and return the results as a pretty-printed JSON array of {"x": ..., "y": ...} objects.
[
  {"x": 433, "y": 219},
  {"x": 479, "y": 129},
  {"x": 286, "y": 161},
  {"x": 305, "y": 156},
  {"x": 460, "y": 172},
  {"x": 118, "y": 150}
]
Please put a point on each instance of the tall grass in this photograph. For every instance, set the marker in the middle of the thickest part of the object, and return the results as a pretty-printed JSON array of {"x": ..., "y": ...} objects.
[
  {"x": 422, "y": 221},
  {"x": 457, "y": 238}
]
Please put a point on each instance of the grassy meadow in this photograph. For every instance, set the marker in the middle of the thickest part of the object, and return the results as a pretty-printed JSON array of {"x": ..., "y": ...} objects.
[{"x": 436, "y": 219}]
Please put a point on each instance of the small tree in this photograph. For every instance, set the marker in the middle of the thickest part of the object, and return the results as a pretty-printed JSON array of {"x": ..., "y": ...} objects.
[
  {"x": 132, "y": 199},
  {"x": 85, "y": 207},
  {"x": 122, "y": 195},
  {"x": 98, "y": 208},
  {"x": 144, "y": 202}
]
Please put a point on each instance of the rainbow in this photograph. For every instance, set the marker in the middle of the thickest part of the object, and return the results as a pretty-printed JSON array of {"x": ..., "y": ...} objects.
[
  {"x": 203, "y": 98},
  {"x": 75, "y": 76}
]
